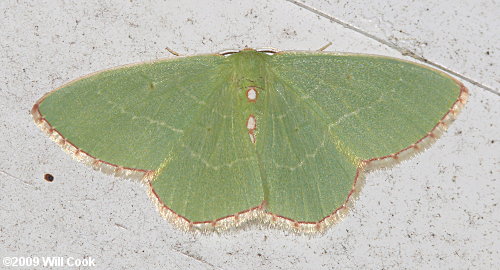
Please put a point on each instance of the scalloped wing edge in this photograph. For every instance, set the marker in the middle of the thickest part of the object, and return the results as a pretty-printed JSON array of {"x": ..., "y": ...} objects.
[{"x": 256, "y": 215}]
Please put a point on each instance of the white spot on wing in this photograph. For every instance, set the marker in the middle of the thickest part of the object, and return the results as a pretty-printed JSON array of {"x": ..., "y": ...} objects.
[
  {"x": 252, "y": 137},
  {"x": 251, "y": 126},
  {"x": 252, "y": 94},
  {"x": 251, "y": 123}
]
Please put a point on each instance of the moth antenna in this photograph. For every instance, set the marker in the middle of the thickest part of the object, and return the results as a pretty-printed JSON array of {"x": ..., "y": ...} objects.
[
  {"x": 172, "y": 51},
  {"x": 324, "y": 47}
]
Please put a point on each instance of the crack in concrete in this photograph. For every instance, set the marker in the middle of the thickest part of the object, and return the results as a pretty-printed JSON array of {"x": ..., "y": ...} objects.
[
  {"x": 403, "y": 51},
  {"x": 17, "y": 178},
  {"x": 121, "y": 226},
  {"x": 196, "y": 258}
]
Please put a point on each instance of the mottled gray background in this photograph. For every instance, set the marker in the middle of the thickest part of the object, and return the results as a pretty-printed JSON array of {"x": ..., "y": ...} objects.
[{"x": 438, "y": 210}]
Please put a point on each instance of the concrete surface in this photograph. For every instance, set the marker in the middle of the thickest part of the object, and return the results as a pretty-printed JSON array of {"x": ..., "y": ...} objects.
[{"x": 438, "y": 211}]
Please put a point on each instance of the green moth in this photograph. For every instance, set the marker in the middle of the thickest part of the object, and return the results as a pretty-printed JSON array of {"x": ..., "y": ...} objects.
[{"x": 282, "y": 138}]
